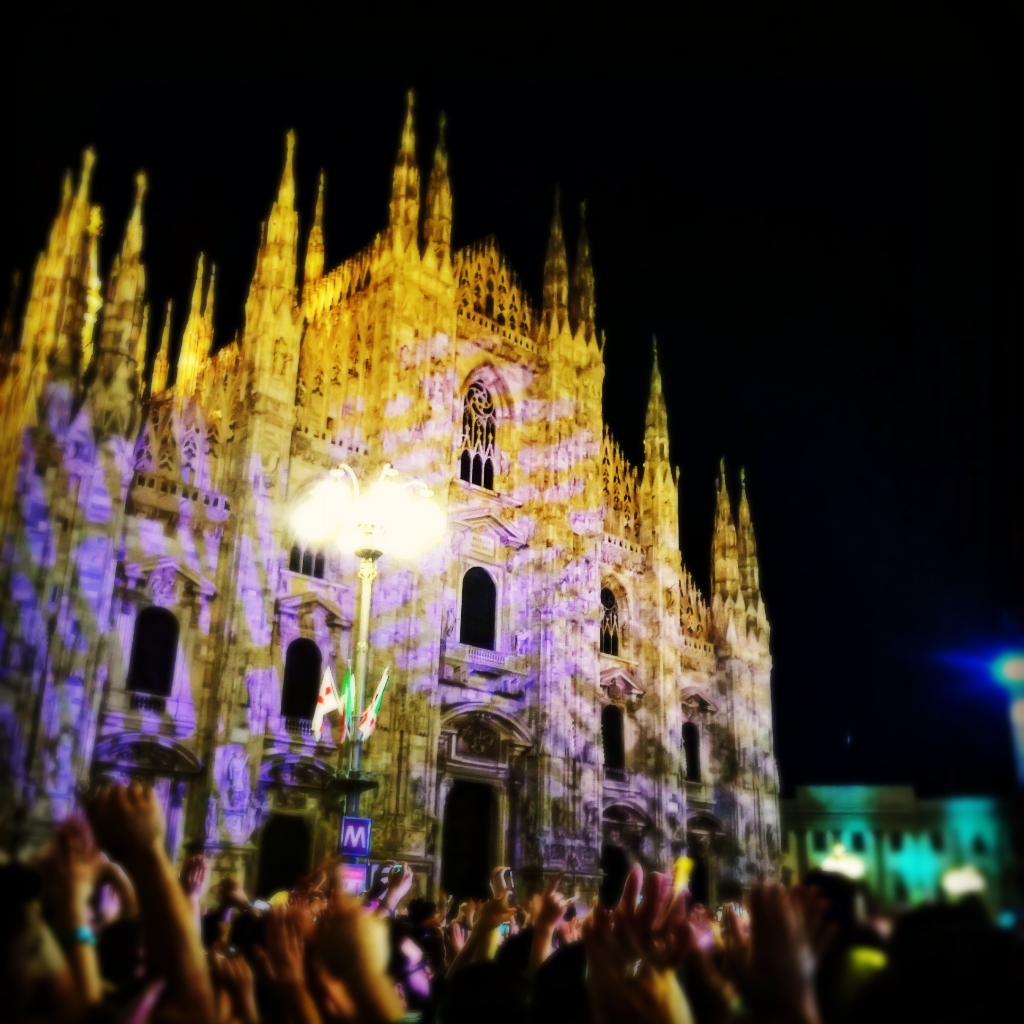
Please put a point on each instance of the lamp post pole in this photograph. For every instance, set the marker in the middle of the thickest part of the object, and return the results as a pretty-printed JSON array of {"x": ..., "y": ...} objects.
[
  {"x": 367, "y": 574},
  {"x": 393, "y": 517}
]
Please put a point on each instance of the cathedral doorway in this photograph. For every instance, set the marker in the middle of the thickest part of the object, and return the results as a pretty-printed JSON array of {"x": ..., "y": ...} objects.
[
  {"x": 285, "y": 849},
  {"x": 467, "y": 840},
  {"x": 614, "y": 869},
  {"x": 700, "y": 879}
]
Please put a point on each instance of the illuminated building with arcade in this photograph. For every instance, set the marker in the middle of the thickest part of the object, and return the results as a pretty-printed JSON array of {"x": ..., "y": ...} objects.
[{"x": 909, "y": 850}]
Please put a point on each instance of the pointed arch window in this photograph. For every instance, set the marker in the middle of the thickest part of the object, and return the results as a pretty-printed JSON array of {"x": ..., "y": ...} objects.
[
  {"x": 610, "y": 635},
  {"x": 306, "y": 561},
  {"x": 479, "y": 430}
]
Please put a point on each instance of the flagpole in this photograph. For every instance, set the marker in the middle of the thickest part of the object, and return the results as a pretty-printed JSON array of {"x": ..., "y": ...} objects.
[{"x": 367, "y": 574}]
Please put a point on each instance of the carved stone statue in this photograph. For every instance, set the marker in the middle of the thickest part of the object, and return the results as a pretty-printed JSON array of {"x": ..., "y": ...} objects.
[
  {"x": 521, "y": 641},
  {"x": 238, "y": 781},
  {"x": 211, "y": 821},
  {"x": 64, "y": 774}
]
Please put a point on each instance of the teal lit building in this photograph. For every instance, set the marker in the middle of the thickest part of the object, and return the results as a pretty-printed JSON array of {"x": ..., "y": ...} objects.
[{"x": 904, "y": 845}]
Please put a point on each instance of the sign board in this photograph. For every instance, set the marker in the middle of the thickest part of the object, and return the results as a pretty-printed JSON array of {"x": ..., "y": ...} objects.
[
  {"x": 355, "y": 837},
  {"x": 353, "y": 878}
]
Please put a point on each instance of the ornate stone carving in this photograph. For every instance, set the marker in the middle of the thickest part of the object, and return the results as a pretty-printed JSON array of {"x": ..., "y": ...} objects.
[
  {"x": 298, "y": 772},
  {"x": 148, "y": 755},
  {"x": 478, "y": 740}
]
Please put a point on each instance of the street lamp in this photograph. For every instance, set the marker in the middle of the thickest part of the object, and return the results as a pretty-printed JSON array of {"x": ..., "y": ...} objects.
[{"x": 393, "y": 517}]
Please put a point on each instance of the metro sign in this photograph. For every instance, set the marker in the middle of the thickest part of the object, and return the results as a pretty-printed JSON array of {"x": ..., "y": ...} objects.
[{"x": 355, "y": 837}]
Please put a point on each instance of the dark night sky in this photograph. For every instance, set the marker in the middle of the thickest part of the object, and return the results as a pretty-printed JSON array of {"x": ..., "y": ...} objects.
[{"x": 821, "y": 223}]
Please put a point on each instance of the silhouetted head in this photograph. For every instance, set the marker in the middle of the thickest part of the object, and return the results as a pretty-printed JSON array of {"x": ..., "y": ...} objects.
[{"x": 484, "y": 991}]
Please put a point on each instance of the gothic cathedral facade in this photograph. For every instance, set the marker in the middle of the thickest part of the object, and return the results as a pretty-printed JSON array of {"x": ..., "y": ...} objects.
[{"x": 561, "y": 693}]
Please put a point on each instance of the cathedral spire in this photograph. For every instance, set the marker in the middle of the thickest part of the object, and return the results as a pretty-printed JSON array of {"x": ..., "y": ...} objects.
[
  {"x": 197, "y": 338},
  {"x": 314, "y": 268},
  {"x": 556, "y": 274},
  {"x": 93, "y": 291},
  {"x": 437, "y": 231},
  {"x": 122, "y": 315},
  {"x": 656, "y": 421},
  {"x": 63, "y": 276},
  {"x": 162, "y": 362},
  {"x": 725, "y": 570},
  {"x": 660, "y": 485},
  {"x": 115, "y": 391},
  {"x": 272, "y": 314},
  {"x": 746, "y": 546},
  {"x": 582, "y": 307},
  {"x": 278, "y": 259},
  {"x": 405, "y": 187},
  {"x": 208, "y": 304}
]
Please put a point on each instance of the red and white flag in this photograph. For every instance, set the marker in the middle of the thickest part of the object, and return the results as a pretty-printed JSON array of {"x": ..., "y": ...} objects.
[{"x": 326, "y": 702}]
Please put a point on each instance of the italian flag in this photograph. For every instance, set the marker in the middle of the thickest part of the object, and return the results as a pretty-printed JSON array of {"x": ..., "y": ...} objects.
[
  {"x": 326, "y": 702},
  {"x": 368, "y": 721}
]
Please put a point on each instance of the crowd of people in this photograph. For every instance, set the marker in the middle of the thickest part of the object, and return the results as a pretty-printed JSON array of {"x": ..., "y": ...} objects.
[{"x": 101, "y": 927}]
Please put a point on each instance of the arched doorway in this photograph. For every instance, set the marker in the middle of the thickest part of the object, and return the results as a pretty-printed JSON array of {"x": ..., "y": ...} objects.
[
  {"x": 467, "y": 839},
  {"x": 284, "y": 853},
  {"x": 700, "y": 878},
  {"x": 704, "y": 836},
  {"x": 615, "y": 864}
]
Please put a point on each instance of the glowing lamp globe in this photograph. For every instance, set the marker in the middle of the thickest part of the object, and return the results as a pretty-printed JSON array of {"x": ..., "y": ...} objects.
[
  {"x": 964, "y": 881},
  {"x": 393, "y": 517},
  {"x": 326, "y": 510},
  {"x": 840, "y": 862}
]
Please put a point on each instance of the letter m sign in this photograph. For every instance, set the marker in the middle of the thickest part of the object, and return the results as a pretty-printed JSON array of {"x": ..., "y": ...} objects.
[{"x": 355, "y": 837}]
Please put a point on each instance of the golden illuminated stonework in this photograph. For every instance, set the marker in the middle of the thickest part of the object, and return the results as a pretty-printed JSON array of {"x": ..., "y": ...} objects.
[{"x": 560, "y": 686}]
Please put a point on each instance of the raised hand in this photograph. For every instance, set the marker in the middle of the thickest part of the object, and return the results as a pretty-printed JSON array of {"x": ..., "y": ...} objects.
[
  {"x": 128, "y": 821},
  {"x": 113, "y": 877},
  {"x": 548, "y": 909},
  {"x": 193, "y": 875},
  {"x": 399, "y": 883},
  {"x": 772, "y": 963},
  {"x": 236, "y": 992},
  {"x": 281, "y": 956},
  {"x": 70, "y": 872},
  {"x": 781, "y": 963},
  {"x": 349, "y": 952},
  {"x": 129, "y": 824},
  {"x": 655, "y": 927},
  {"x": 623, "y": 986}
]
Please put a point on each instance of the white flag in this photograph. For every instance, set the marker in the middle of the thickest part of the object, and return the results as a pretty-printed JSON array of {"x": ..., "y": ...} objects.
[{"x": 326, "y": 701}]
